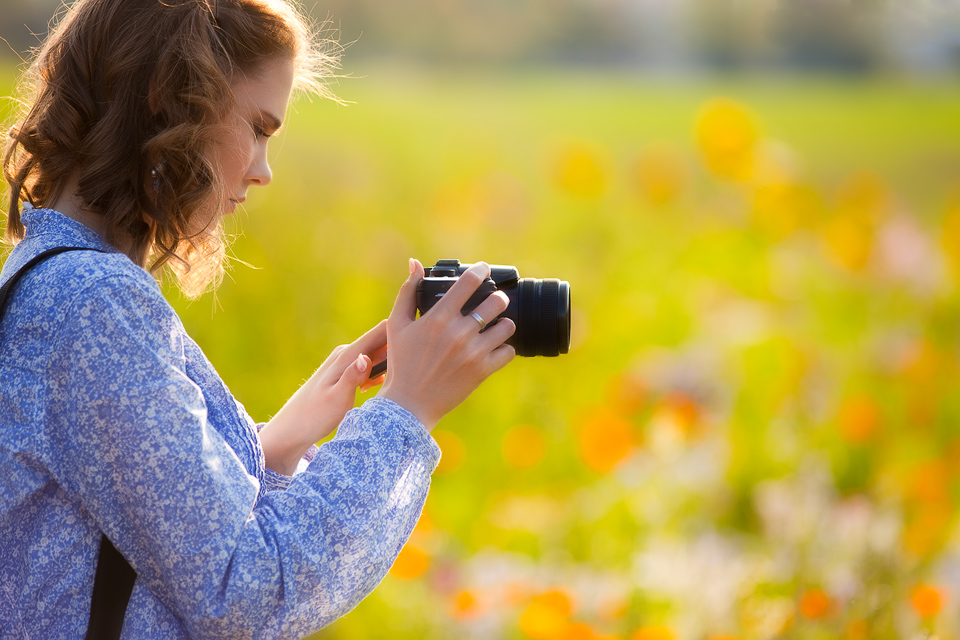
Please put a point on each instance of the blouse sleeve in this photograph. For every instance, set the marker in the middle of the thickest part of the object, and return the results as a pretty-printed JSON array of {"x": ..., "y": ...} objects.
[{"x": 129, "y": 432}]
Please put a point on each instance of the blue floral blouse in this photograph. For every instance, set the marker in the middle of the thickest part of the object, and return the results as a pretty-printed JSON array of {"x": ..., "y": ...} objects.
[{"x": 113, "y": 421}]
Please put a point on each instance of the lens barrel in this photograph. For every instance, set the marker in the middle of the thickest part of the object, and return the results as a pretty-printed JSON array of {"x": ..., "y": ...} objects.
[{"x": 542, "y": 317}]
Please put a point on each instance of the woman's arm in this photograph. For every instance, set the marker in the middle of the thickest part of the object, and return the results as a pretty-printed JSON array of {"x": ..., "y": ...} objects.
[{"x": 129, "y": 437}]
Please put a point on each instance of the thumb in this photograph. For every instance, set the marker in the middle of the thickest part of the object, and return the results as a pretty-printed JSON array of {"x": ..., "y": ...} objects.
[
  {"x": 357, "y": 373},
  {"x": 405, "y": 308}
]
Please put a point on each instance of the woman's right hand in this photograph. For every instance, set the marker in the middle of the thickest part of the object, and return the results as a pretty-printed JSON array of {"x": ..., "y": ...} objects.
[{"x": 438, "y": 360}]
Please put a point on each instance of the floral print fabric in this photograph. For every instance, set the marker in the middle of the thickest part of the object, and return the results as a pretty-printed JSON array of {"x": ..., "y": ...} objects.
[{"x": 113, "y": 422}]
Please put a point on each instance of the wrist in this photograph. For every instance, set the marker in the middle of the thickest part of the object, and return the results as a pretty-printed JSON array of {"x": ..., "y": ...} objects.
[
  {"x": 281, "y": 453},
  {"x": 409, "y": 403}
]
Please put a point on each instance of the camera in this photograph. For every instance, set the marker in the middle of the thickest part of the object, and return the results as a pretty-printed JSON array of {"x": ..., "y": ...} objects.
[{"x": 539, "y": 307}]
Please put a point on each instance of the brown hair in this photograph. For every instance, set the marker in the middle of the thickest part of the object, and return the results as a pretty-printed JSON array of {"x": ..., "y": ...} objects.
[{"x": 125, "y": 96}]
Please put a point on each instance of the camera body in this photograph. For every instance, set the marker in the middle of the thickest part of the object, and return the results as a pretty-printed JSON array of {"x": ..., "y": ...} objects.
[{"x": 540, "y": 308}]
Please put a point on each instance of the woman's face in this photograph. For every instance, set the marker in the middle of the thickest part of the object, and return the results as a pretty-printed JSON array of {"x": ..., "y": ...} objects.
[{"x": 261, "y": 103}]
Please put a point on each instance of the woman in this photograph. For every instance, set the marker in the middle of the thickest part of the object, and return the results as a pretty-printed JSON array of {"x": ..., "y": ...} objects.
[{"x": 149, "y": 120}]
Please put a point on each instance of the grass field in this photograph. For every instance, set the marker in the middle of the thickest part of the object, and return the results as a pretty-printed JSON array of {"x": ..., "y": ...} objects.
[{"x": 757, "y": 431}]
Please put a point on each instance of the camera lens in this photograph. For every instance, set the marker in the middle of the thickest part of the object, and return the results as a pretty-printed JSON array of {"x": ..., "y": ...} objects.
[{"x": 543, "y": 317}]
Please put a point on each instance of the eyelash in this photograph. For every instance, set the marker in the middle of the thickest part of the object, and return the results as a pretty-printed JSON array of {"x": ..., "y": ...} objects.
[{"x": 258, "y": 132}]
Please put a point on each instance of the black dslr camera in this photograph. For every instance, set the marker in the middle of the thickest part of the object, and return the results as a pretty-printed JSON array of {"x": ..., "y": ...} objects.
[{"x": 539, "y": 308}]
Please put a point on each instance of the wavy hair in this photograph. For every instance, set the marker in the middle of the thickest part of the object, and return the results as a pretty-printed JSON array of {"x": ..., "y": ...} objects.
[{"x": 125, "y": 97}]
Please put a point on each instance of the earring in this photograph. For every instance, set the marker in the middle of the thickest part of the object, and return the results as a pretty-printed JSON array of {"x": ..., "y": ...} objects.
[{"x": 155, "y": 174}]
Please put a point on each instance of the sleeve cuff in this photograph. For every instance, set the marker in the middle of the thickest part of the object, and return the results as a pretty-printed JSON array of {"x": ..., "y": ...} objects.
[
  {"x": 273, "y": 481},
  {"x": 384, "y": 411}
]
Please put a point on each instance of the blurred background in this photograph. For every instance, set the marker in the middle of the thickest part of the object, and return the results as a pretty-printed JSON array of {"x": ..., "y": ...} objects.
[{"x": 756, "y": 433}]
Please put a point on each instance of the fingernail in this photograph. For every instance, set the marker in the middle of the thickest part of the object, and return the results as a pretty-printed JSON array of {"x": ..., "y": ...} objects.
[
  {"x": 361, "y": 364},
  {"x": 412, "y": 265}
]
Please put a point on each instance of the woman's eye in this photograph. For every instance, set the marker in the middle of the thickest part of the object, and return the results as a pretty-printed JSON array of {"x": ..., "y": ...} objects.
[{"x": 259, "y": 132}]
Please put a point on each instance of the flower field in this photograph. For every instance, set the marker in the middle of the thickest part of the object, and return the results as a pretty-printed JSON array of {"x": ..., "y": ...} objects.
[{"x": 756, "y": 433}]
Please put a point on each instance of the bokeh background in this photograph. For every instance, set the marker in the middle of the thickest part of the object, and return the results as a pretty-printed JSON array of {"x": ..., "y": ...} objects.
[{"x": 757, "y": 205}]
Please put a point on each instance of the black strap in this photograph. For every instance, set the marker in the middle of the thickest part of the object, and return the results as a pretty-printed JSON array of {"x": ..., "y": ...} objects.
[
  {"x": 112, "y": 587},
  {"x": 114, "y": 579},
  {"x": 15, "y": 278}
]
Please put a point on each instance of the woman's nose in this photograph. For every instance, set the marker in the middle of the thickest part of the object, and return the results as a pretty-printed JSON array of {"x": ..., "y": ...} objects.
[{"x": 259, "y": 172}]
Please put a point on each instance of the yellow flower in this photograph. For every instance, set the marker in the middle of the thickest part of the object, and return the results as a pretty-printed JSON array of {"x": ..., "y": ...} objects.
[
  {"x": 661, "y": 173},
  {"x": 653, "y": 633},
  {"x": 580, "y": 170},
  {"x": 727, "y": 135}
]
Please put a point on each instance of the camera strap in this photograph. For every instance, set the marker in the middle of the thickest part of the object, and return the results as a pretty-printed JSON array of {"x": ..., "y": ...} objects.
[{"x": 113, "y": 582}]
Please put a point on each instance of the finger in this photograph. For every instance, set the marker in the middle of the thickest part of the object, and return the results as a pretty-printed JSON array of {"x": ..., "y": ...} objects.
[
  {"x": 503, "y": 329},
  {"x": 465, "y": 287},
  {"x": 497, "y": 334},
  {"x": 492, "y": 306},
  {"x": 372, "y": 382},
  {"x": 405, "y": 308},
  {"x": 500, "y": 357},
  {"x": 355, "y": 374}
]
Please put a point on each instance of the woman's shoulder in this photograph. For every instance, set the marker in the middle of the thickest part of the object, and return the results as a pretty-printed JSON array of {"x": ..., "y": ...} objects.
[
  {"x": 64, "y": 277},
  {"x": 84, "y": 283}
]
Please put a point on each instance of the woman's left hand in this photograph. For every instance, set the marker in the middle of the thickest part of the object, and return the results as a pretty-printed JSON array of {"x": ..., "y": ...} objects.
[{"x": 318, "y": 407}]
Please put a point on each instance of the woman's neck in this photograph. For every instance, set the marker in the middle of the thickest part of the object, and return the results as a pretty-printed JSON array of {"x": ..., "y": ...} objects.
[{"x": 69, "y": 204}]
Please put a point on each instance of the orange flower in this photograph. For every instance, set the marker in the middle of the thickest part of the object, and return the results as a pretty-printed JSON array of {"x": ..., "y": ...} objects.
[
  {"x": 578, "y": 631},
  {"x": 927, "y": 600},
  {"x": 412, "y": 563},
  {"x": 523, "y": 446},
  {"x": 930, "y": 481},
  {"x": 452, "y": 450},
  {"x": 465, "y": 606},
  {"x": 857, "y": 630},
  {"x": 859, "y": 419},
  {"x": 814, "y": 603},
  {"x": 547, "y": 617},
  {"x": 605, "y": 440}
]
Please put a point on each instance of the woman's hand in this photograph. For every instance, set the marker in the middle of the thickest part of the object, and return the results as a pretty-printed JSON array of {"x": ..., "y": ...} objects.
[
  {"x": 438, "y": 360},
  {"x": 316, "y": 409}
]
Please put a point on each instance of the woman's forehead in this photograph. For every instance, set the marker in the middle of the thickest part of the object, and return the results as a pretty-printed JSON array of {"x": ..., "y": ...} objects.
[{"x": 268, "y": 89}]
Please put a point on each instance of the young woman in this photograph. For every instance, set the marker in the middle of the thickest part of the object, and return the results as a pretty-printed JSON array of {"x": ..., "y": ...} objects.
[{"x": 148, "y": 121}]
